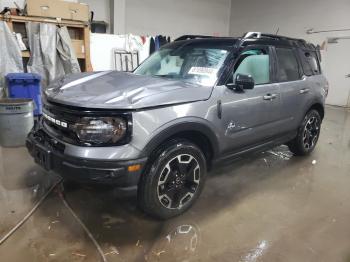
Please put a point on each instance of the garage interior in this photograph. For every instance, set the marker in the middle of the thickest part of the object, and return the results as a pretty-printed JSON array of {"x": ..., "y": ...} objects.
[{"x": 265, "y": 206}]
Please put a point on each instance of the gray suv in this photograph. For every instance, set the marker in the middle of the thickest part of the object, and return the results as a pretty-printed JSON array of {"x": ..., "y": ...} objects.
[{"x": 197, "y": 101}]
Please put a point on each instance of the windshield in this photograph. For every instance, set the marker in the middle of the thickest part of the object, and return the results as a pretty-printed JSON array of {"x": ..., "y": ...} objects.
[{"x": 189, "y": 63}]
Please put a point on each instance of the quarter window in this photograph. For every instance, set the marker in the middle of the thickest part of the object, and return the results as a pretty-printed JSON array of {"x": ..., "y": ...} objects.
[
  {"x": 288, "y": 67},
  {"x": 310, "y": 63}
]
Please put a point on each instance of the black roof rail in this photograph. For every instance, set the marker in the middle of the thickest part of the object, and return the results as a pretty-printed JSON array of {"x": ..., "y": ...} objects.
[
  {"x": 293, "y": 41},
  {"x": 257, "y": 35},
  {"x": 188, "y": 37}
]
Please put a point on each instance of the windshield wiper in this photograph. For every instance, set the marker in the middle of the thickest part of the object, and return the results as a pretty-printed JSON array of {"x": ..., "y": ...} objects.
[{"x": 167, "y": 76}]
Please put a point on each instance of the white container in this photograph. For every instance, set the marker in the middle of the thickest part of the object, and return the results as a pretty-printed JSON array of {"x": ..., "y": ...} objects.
[{"x": 16, "y": 121}]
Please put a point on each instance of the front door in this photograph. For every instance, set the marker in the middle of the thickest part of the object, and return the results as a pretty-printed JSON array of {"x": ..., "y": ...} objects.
[
  {"x": 251, "y": 116},
  {"x": 337, "y": 71}
]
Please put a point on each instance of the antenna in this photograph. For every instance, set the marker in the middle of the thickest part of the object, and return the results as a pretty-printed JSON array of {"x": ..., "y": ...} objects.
[{"x": 278, "y": 29}]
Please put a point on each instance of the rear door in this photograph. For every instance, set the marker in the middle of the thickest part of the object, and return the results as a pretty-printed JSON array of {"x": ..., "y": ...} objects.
[{"x": 294, "y": 87}]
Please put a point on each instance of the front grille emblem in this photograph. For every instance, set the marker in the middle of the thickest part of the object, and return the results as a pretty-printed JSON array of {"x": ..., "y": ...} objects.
[{"x": 55, "y": 121}]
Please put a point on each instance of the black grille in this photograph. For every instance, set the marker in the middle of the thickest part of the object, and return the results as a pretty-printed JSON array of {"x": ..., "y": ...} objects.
[
  {"x": 63, "y": 133},
  {"x": 66, "y": 134},
  {"x": 72, "y": 115}
]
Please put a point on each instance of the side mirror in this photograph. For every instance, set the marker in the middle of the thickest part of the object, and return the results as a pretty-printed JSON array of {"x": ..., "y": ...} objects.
[{"x": 242, "y": 82}]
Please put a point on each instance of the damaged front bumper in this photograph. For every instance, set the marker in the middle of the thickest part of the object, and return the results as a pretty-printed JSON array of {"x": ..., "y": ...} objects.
[{"x": 49, "y": 153}]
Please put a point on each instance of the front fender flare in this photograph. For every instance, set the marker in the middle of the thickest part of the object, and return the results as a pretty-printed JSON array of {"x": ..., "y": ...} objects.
[{"x": 171, "y": 129}]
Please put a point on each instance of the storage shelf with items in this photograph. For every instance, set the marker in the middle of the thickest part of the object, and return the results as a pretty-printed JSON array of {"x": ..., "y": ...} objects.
[{"x": 79, "y": 33}]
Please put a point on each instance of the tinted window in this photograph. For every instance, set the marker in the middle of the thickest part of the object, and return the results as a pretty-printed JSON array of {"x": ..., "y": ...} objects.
[
  {"x": 287, "y": 65},
  {"x": 255, "y": 63},
  {"x": 310, "y": 63}
]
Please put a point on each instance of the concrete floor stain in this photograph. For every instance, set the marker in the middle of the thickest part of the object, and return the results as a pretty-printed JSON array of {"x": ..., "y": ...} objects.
[{"x": 267, "y": 206}]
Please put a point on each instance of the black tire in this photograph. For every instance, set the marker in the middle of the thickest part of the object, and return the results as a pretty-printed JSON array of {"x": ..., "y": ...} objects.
[
  {"x": 167, "y": 177},
  {"x": 308, "y": 133}
]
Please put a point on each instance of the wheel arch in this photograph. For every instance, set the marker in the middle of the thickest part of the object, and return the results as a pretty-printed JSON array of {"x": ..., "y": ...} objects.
[
  {"x": 318, "y": 107},
  {"x": 198, "y": 133}
]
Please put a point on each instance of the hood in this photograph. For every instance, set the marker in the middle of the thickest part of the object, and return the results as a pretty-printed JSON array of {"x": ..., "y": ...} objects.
[{"x": 119, "y": 90}]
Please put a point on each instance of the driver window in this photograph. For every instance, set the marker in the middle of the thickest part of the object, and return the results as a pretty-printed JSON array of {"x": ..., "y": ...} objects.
[{"x": 255, "y": 63}]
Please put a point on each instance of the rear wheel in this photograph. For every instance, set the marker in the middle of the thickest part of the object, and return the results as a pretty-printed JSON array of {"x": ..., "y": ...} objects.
[
  {"x": 308, "y": 134},
  {"x": 173, "y": 181}
]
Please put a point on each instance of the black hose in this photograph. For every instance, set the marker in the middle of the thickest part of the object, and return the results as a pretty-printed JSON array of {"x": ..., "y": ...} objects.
[
  {"x": 31, "y": 212},
  {"x": 98, "y": 247}
]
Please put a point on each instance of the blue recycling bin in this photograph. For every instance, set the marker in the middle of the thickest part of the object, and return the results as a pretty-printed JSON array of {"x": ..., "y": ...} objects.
[{"x": 25, "y": 85}]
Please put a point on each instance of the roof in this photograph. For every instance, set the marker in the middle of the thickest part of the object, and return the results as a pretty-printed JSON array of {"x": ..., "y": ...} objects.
[{"x": 249, "y": 38}]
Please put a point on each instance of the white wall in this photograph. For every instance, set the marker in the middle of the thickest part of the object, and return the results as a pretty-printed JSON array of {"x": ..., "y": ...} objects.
[
  {"x": 292, "y": 17},
  {"x": 119, "y": 16},
  {"x": 164, "y": 16},
  {"x": 175, "y": 18}
]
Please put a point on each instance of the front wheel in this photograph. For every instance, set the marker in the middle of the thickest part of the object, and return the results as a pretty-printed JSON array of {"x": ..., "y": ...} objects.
[
  {"x": 308, "y": 134},
  {"x": 173, "y": 181}
]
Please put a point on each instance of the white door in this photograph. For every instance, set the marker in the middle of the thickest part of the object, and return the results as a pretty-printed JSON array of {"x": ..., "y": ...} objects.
[{"x": 337, "y": 71}]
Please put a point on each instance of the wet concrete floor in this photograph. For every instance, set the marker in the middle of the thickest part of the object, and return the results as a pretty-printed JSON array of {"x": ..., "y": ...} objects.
[{"x": 269, "y": 206}]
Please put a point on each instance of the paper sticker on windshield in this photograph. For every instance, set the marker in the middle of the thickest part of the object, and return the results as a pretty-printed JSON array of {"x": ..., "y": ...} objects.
[{"x": 207, "y": 71}]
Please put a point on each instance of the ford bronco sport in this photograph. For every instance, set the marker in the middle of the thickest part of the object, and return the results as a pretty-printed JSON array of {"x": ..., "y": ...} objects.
[{"x": 193, "y": 103}]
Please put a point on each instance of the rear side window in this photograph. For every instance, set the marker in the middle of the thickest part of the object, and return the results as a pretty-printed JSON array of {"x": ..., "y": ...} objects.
[
  {"x": 310, "y": 63},
  {"x": 288, "y": 67}
]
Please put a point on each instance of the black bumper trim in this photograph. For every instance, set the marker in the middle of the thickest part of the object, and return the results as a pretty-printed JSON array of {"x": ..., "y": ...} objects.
[{"x": 84, "y": 170}]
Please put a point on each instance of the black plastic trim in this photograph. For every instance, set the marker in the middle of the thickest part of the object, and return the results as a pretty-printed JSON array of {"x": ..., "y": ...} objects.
[
  {"x": 179, "y": 128},
  {"x": 87, "y": 170}
]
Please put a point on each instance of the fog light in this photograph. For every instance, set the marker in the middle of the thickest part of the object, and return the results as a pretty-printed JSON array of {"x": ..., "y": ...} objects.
[{"x": 134, "y": 168}]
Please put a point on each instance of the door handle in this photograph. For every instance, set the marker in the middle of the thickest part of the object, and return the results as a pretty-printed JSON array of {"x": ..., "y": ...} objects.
[
  {"x": 270, "y": 96},
  {"x": 347, "y": 76},
  {"x": 304, "y": 91}
]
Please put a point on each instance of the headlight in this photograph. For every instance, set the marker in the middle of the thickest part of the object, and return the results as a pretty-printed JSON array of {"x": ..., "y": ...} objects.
[{"x": 100, "y": 130}]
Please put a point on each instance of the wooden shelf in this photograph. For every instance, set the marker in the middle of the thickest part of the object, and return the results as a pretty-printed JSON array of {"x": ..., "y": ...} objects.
[
  {"x": 79, "y": 32},
  {"x": 16, "y": 18}
]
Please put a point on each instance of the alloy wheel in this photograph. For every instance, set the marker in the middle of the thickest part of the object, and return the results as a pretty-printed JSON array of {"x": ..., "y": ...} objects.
[
  {"x": 311, "y": 133},
  {"x": 178, "y": 181}
]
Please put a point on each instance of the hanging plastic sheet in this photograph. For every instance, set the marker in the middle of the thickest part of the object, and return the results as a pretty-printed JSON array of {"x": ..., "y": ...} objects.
[
  {"x": 48, "y": 43},
  {"x": 10, "y": 55},
  {"x": 52, "y": 53},
  {"x": 36, "y": 62},
  {"x": 66, "y": 51}
]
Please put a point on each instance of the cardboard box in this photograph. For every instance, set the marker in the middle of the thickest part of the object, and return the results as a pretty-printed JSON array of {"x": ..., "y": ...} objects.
[{"x": 58, "y": 9}]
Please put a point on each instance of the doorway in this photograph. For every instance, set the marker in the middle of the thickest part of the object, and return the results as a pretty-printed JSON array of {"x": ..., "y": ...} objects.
[{"x": 337, "y": 71}]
